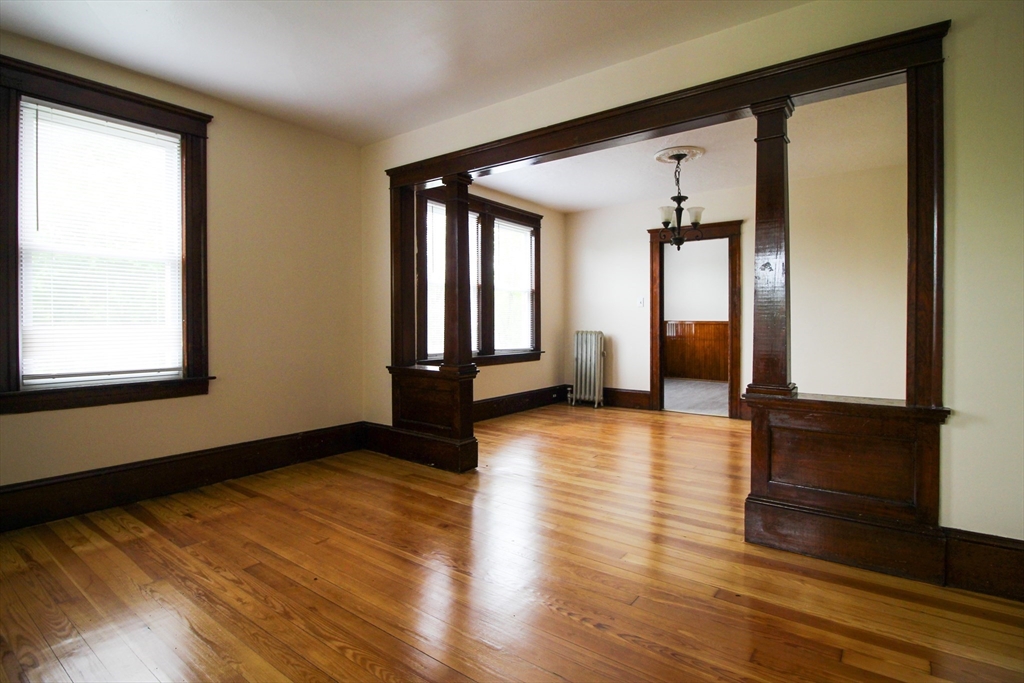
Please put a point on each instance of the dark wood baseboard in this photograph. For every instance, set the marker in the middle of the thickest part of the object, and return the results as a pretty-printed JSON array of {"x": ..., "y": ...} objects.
[
  {"x": 43, "y": 500},
  {"x": 488, "y": 408},
  {"x": 745, "y": 412},
  {"x": 890, "y": 549},
  {"x": 985, "y": 564},
  {"x": 627, "y": 398},
  {"x": 437, "y": 451},
  {"x": 951, "y": 557}
]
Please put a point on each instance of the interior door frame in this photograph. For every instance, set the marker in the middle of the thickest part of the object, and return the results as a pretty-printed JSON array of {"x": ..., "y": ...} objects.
[{"x": 659, "y": 237}]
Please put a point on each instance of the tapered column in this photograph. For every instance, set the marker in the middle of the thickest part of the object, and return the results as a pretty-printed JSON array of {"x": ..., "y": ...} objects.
[{"x": 771, "y": 366}]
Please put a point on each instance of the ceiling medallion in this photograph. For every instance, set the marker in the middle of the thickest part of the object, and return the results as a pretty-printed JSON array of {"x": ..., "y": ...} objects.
[{"x": 669, "y": 154}]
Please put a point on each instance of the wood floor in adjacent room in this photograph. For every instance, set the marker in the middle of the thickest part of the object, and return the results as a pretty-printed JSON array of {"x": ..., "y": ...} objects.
[{"x": 591, "y": 545}]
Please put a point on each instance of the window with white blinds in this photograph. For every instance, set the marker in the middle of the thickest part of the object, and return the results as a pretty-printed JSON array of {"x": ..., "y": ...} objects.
[
  {"x": 513, "y": 286},
  {"x": 100, "y": 249}
]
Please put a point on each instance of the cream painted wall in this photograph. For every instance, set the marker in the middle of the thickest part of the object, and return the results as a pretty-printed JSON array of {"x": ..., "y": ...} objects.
[
  {"x": 697, "y": 281},
  {"x": 848, "y": 287},
  {"x": 284, "y": 297},
  {"x": 500, "y": 380},
  {"x": 849, "y": 283},
  {"x": 982, "y": 468}
]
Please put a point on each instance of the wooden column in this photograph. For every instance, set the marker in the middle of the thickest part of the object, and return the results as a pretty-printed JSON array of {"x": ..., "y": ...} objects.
[
  {"x": 403, "y": 276},
  {"x": 431, "y": 406},
  {"x": 925, "y": 246},
  {"x": 771, "y": 365},
  {"x": 458, "y": 344}
]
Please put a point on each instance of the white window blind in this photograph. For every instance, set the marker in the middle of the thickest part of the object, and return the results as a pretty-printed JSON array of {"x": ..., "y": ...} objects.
[
  {"x": 100, "y": 249},
  {"x": 513, "y": 286},
  {"x": 436, "y": 227}
]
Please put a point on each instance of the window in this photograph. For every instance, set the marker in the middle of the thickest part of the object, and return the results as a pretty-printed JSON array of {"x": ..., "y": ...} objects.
[
  {"x": 103, "y": 244},
  {"x": 504, "y": 276}
]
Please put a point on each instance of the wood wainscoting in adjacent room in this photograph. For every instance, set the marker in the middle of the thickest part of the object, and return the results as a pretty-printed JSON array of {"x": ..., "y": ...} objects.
[{"x": 697, "y": 349}]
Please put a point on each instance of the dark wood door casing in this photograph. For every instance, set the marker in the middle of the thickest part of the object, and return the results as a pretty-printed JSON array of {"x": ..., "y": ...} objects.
[
  {"x": 847, "y": 479},
  {"x": 730, "y": 230}
]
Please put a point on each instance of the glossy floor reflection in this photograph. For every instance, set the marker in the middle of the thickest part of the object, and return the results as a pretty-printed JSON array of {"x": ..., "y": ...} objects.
[{"x": 591, "y": 545}]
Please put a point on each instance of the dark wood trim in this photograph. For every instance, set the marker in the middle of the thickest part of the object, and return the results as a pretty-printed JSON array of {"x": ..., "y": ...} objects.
[
  {"x": 827, "y": 74},
  {"x": 488, "y": 210},
  {"x": 627, "y": 398},
  {"x": 985, "y": 564},
  {"x": 925, "y": 192},
  {"x": 735, "y": 325},
  {"x": 494, "y": 208},
  {"x": 493, "y": 359},
  {"x": 420, "y": 303},
  {"x": 498, "y": 406},
  {"x": 657, "y": 299},
  {"x": 453, "y": 455},
  {"x": 902, "y": 550},
  {"x": 196, "y": 323},
  {"x": 771, "y": 352},
  {"x": 10, "y": 371},
  {"x": 18, "y": 78},
  {"x": 74, "y": 91},
  {"x": 731, "y": 230},
  {"x": 36, "y": 400},
  {"x": 458, "y": 349},
  {"x": 485, "y": 298},
  {"x": 43, "y": 500},
  {"x": 968, "y": 560},
  {"x": 506, "y": 358}
]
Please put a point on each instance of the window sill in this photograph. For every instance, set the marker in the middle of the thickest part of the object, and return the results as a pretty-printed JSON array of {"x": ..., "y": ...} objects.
[
  {"x": 35, "y": 400},
  {"x": 495, "y": 359}
]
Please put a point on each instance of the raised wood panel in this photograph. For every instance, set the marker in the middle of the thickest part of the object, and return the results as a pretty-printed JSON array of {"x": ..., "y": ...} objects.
[
  {"x": 867, "y": 460},
  {"x": 697, "y": 349},
  {"x": 860, "y": 464},
  {"x": 436, "y": 401}
]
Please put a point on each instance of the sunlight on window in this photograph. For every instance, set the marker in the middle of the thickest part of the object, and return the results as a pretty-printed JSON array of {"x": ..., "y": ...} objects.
[{"x": 100, "y": 237}]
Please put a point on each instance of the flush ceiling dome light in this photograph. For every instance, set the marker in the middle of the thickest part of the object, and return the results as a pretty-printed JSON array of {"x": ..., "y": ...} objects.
[{"x": 672, "y": 216}]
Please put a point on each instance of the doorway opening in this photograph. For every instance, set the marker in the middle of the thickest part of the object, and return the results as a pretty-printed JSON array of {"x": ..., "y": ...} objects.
[
  {"x": 695, "y": 340},
  {"x": 695, "y": 328}
]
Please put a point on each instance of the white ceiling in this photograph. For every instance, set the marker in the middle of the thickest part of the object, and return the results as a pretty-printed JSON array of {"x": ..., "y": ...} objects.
[
  {"x": 366, "y": 70},
  {"x": 858, "y": 132}
]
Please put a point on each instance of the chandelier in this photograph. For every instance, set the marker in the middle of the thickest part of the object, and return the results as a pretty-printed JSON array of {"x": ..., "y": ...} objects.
[{"x": 672, "y": 216}]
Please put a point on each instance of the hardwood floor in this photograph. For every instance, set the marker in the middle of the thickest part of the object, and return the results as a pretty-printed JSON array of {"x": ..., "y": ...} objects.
[{"x": 590, "y": 545}]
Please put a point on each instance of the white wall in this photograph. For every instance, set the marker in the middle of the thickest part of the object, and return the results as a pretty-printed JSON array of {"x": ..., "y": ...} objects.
[
  {"x": 284, "y": 297},
  {"x": 697, "y": 281}
]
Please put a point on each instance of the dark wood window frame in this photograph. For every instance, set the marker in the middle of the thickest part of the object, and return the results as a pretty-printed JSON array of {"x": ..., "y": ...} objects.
[
  {"x": 18, "y": 79},
  {"x": 488, "y": 210}
]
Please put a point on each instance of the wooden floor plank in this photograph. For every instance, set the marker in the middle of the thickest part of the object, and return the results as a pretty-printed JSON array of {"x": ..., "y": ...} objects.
[{"x": 589, "y": 545}]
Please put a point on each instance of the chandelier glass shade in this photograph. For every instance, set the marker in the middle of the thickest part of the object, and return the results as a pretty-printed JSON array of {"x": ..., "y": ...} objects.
[{"x": 674, "y": 230}]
